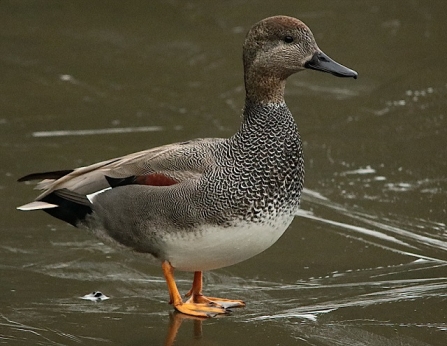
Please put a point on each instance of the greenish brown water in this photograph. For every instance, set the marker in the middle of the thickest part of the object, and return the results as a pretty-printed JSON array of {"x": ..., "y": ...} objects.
[{"x": 365, "y": 261}]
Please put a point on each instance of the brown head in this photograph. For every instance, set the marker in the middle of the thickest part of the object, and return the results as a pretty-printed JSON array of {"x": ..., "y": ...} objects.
[{"x": 277, "y": 47}]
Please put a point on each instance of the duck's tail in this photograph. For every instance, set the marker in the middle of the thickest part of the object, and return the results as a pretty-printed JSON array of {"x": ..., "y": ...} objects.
[{"x": 63, "y": 204}]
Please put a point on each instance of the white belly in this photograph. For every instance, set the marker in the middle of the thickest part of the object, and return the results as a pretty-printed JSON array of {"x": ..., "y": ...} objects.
[{"x": 215, "y": 247}]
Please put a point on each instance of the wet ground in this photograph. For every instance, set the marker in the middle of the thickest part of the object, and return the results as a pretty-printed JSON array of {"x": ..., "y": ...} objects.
[{"x": 365, "y": 262}]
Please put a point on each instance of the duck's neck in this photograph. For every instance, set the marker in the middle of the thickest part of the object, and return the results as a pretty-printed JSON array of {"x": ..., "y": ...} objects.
[
  {"x": 272, "y": 119},
  {"x": 265, "y": 126},
  {"x": 264, "y": 88},
  {"x": 266, "y": 114}
]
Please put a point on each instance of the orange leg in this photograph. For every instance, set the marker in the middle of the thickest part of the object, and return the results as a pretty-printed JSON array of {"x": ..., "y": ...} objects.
[
  {"x": 198, "y": 309},
  {"x": 174, "y": 296},
  {"x": 196, "y": 296}
]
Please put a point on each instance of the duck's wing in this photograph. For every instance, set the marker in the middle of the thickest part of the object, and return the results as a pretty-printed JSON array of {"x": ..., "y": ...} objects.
[{"x": 161, "y": 166}]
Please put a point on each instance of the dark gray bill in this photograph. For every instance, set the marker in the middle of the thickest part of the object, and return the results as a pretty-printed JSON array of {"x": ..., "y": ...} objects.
[{"x": 321, "y": 62}]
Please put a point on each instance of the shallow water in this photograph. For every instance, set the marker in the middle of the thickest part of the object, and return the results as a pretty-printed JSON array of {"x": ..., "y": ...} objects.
[{"x": 365, "y": 261}]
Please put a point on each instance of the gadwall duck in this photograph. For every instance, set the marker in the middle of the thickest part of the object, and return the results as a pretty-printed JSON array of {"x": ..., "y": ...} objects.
[{"x": 205, "y": 203}]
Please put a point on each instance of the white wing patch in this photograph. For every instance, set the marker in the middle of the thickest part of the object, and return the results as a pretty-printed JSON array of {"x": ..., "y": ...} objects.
[{"x": 91, "y": 196}]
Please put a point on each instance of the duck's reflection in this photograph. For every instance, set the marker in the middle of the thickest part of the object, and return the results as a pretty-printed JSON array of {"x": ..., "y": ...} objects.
[{"x": 175, "y": 321}]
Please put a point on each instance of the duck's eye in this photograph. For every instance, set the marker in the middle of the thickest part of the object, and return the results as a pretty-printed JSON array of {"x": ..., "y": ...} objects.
[{"x": 288, "y": 39}]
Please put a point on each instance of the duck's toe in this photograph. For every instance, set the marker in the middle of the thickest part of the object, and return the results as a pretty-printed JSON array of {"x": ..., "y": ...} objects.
[
  {"x": 208, "y": 309},
  {"x": 200, "y": 299},
  {"x": 227, "y": 303}
]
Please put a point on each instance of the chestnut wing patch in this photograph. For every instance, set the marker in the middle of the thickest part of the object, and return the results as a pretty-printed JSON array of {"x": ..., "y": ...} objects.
[{"x": 154, "y": 179}]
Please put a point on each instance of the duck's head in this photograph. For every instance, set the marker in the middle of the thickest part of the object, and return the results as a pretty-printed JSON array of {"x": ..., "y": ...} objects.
[{"x": 277, "y": 47}]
